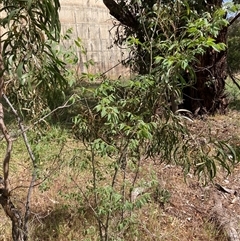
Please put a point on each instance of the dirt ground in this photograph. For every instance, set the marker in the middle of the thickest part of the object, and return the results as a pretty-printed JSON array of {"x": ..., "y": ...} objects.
[
  {"x": 192, "y": 212},
  {"x": 215, "y": 206}
]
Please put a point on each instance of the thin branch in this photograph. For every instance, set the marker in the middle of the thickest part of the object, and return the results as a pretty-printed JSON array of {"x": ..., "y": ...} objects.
[
  {"x": 30, "y": 152},
  {"x": 113, "y": 67},
  {"x": 233, "y": 78},
  {"x": 95, "y": 193},
  {"x": 89, "y": 204},
  {"x": 18, "y": 228},
  {"x": 234, "y": 19},
  {"x": 65, "y": 105},
  {"x": 46, "y": 176}
]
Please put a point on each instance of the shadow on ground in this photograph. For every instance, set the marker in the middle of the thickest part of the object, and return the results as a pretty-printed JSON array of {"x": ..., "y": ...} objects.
[
  {"x": 234, "y": 105},
  {"x": 61, "y": 222}
]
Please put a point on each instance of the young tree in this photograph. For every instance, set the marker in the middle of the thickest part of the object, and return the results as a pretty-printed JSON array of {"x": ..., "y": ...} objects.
[
  {"x": 153, "y": 23},
  {"x": 27, "y": 62}
]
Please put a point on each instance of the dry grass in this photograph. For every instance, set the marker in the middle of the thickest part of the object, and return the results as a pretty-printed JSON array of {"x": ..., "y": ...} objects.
[{"x": 58, "y": 213}]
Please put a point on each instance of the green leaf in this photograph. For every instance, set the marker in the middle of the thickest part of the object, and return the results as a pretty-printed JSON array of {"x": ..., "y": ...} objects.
[
  {"x": 20, "y": 70},
  {"x": 184, "y": 64}
]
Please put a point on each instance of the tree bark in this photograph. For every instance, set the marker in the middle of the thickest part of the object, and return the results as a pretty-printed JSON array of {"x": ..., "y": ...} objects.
[
  {"x": 18, "y": 233},
  {"x": 207, "y": 94},
  {"x": 18, "y": 228},
  {"x": 122, "y": 15}
]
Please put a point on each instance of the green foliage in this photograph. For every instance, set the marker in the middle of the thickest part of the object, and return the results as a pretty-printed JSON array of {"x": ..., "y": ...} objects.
[
  {"x": 36, "y": 68},
  {"x": 28, "y": 28},
  {"x": 170, "y": 41},
  {"x": 129, "y": 122},
  {"x": 233, "y": 95},
  {"x": 233, "y": 8},
  {"x": 122, "y": 123},
  {"x": 46, "y": 87},
  {"x": 172, "y": 26}
]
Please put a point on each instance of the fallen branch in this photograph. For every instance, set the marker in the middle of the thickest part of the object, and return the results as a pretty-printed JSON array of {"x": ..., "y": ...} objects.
[{"x": 227, "y": 223}]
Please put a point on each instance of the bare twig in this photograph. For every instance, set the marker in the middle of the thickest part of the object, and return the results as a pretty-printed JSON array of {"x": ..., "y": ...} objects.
[
  {"x": 113, "y": 67},
  {"x": 46, "y": 176},
  {"x": 89, "y": 204},
  {"x": 65, "y": 105},
  {"x": 94, "y": 173}
]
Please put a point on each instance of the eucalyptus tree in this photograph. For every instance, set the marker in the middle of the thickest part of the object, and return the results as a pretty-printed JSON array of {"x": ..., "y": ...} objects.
[
  {"x": 130, "y": 121},
  {"x": 166, "y": 29},
  {"x": 29, "y": 69}
]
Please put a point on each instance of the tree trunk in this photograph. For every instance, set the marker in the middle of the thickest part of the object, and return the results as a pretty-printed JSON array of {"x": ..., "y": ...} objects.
[
  {"x": 19, "y": 230},
  {"x": 18, "y": 233},
  {"x": 207, "y": 94},
  {"x": 122, "y": 15}
]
